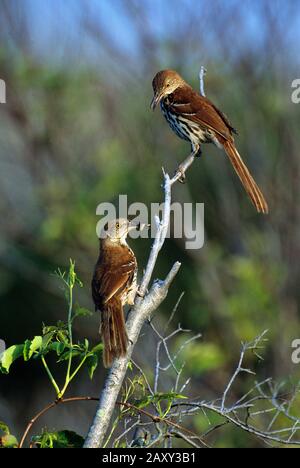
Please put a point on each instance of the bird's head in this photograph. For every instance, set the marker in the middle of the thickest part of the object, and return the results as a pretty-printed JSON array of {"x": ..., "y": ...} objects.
[
  {"x": 165, "y": 82},
  {"x": 117, "y": 230}
]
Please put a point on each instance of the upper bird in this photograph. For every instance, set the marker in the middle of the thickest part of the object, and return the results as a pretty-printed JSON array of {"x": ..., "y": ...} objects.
[{"x": 196, "y": 119}]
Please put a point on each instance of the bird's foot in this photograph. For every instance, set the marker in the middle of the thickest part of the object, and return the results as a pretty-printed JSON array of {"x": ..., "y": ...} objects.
[
  {"x": 198, "y": 154},
  {"x": 181, "y": 173},
  {"x": 139, "y": 293}
]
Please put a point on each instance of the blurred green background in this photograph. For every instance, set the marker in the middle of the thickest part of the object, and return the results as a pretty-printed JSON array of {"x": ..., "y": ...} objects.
[{"x": 77, "y": 130}]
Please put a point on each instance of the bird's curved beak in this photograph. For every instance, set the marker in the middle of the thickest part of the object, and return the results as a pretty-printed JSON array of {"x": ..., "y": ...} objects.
[
  {"x": 142, "y": 226},
  {"x": 132, "y": 226},
  {"x": 138, "y": 226},
  {"x": 156, "y": 100}
]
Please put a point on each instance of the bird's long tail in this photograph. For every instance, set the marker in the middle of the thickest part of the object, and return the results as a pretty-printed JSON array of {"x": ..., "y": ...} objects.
[
  {"x": 113, "y": 331},
  {"x": 246, "y": 178}
]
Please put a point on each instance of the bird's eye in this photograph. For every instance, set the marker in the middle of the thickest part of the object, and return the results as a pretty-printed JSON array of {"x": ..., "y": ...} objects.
[
  {"x": 117, "y": 225},
  {"x": 168, "y": 84}
]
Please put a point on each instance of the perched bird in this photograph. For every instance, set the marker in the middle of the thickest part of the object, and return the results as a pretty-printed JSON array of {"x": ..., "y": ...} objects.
[
  {"x": 196, "y": 119},
  {"x": 114, "y": 285}
]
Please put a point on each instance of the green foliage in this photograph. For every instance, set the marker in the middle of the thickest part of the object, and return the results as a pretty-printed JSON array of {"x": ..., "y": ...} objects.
[
  {"x": 253, "y": 290},
  {"x": 81, "y": 312},
  {"x": 203, "y": 357},
  {"x": 161, "y": 401},
  {"x": 9, "y": 356},
  {"x": 92, "y": 363},
  {"x": 7, "y": 440},
  {"x": 137, "y": 399},
  {"x": 60, "y": 439},
  {"x": 157, "y": 398},
  {"x": 4, "y": 428},
  {"x": 30, "y": 346},
  {"x": 56, "y": 339}
]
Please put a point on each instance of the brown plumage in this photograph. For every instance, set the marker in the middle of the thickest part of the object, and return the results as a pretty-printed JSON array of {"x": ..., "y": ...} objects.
[
  {"x": 113, "y": 286},
  {"x": 196, "y": 119}
]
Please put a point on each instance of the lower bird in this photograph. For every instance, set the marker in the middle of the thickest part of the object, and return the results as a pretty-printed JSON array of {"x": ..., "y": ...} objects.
[
  {"x": 196, "y": 119},
  {"x": 114, "y": 284}
]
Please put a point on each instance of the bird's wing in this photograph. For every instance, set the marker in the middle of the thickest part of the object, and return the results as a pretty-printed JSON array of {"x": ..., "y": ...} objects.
[
  {"x": 224, "y": 118},
  {"x": 112, "y": 278},
  {"x": 185, "y": 101}
]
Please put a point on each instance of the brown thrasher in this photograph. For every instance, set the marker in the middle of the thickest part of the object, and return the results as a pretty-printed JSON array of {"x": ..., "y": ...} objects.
[
  {"x": 197, "y": 120},
  {"x": 114, "y": 285}
]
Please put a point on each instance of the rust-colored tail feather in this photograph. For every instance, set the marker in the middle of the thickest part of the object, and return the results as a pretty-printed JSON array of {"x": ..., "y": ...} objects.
[
  {"x": 113, "y": 331},
  {"x": 246, "y": 178}
]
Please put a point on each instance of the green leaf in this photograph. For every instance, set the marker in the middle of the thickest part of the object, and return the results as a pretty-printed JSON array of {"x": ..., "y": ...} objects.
[
  {"x": 63, "y": 335},
  {"x": 66, "y": 355},
  {"x": 4, "y": 428},
  {"x": 31, "y": 346},
  {"x": 54, "y": 329},
  {"x": 158, "y": 397},
  {"x": 92, "y": 363},
  {"x": 98, "y": 348},
  {"x": 93, "y": 359},
  {"x": 58, "y": 347},
  {"x": 130, "y": 366},
  {"x": 47, "y": 338},
  {"x": 36, "y": 344},
  {"x": 61, "y": 325},
  {"x": 9, "y": 356},
  {"x": 8, "y": 441},
  {"x": 81, "y": 312},
  {"x": 167, "y": 396},
  {"x": 26, "y": 350},
  {"x": 68, "y": 439},
  {"x": 49, "y": 329},
  {"x": 72, "y": 278},
  {"x": 143, "y": 402},
  {"x": 60, "y": 439}
]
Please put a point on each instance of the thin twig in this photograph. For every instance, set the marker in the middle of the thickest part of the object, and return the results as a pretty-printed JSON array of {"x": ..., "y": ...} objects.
[
  {"x": 175, "y": 308},
  {"x": 47, "y": 408},
  {"x": 202, "y": 73},
  {"x": 254, "y": 345},
  {"x": 159, "y": 419}
]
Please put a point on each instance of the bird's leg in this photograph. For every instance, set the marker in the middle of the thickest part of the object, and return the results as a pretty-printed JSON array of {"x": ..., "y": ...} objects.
[
  {"x": 183, "y": 167},
  {"x": 139, "y": 293},
  {"x": 131, "y": 296},
  {"x": 199, "y": 153},
  {"x": 136, "y": 292}
]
